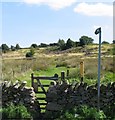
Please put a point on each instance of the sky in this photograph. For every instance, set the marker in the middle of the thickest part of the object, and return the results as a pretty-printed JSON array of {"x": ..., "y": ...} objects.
[{"x": 25, "y": 22}]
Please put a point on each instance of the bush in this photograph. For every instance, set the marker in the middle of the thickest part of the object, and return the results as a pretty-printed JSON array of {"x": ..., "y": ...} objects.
[
  {"x": 31, "y": 53},
  {"x": 15, "y": 112},
  {"x": 82, "y": 113}
]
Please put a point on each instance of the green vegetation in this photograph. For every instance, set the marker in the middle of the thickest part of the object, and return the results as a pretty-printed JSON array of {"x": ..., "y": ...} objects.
[
  {"x": 46, "y": 60},
  {"x": 4, "y": 48},
  {"x": 85, "y": 40},
  {"x": 82, "y": 112},
  {"x": 31, "y": 53},
  {"x": 15, "y": 112}
]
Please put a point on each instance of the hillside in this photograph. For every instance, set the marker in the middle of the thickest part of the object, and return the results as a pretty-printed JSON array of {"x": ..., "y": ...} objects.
[{"x": 84, "y": 52}]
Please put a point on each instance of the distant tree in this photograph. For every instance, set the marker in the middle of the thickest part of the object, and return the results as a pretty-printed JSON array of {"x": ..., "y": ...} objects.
[
  {"x": 43, "y": 45},
  {"x": 61, "y": 44},
  {"x": 4, "y": 48},
  {"x": 105, "y": 42},
  {"x": 34, "y": 45},
  {"x": 17, "y": 47},
  {"x": 53, "y": 44},
  {"x": 85, "y": 40},
  {"x": 13, "y": 48},
  {"x": 69, "y": 44},
  {"x": 113, "y": 41},
  {"x": 77, "y": 44}
]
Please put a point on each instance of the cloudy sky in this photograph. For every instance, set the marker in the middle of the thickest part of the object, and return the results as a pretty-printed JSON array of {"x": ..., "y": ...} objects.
[{"x": 45, "y": 21}]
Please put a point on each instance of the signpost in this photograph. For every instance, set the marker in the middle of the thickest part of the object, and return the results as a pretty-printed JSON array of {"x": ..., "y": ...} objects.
[
  {"x": 82, "y": 70},
  {"x": 98, "y": 31}
]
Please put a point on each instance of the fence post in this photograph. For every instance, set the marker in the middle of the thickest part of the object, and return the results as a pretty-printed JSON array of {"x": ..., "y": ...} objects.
[
  {"x": 32, "y": 80},
  {"x": 67, "y": 73},
  {"x": 63, "y": 76},
  {"x": 82, "y": 70}
]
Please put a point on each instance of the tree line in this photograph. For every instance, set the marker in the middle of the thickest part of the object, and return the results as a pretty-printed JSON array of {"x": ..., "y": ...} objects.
[
  {"x": 83, "y": 40},
  {"x": 5, "y": 48}
]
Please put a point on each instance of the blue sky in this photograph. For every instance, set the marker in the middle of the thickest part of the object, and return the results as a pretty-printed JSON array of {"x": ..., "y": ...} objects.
[{"x": 45, "y": 21}]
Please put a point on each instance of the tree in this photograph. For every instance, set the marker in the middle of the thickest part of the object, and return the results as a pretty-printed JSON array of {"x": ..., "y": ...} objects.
[
  {"x": 113, "y": 41},
  {"x": 77, "y": 44},
  {"x": 17, "y": 47},
  {"x": 43, "y": 45},
  {"x": 34, "y": 45},
  {"x": 53, "y": 44},
  {"x": 13, "y": 48},
  {"x": 85, "y": 40},
  {"x": 61, "y": 44},
  {"x": 5, "y": 48},
  {"x": 105, "y": 42},
  {"x": 69, "y": 44}
]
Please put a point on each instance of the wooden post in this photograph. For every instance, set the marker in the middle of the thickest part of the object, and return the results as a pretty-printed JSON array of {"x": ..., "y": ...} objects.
[
  {"x": 82, "y": 70},
  {"x": 35, "y": 86},
  {"x": 32, "y": 80},
  {"x": 63, "y": 76},
  {"x": 67, "y": 73}
]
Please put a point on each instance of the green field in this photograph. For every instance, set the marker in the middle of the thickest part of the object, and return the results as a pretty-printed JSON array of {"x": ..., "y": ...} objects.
[{"x": 46, "y": 62}]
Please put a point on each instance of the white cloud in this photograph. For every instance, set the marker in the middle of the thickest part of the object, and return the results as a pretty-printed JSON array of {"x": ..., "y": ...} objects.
[
  {"x": 97, "y": 9},
  {"x": 54, "y": 4}
]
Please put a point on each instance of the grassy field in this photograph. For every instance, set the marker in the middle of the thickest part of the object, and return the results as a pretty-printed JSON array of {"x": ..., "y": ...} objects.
[{"x": 48, "y": 61}]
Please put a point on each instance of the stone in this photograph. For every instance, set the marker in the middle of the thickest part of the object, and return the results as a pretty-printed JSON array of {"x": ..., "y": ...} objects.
[{"x": 53, "y": 106}]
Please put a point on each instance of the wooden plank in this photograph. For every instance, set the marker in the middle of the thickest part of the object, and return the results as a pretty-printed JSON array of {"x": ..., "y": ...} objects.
[
  {"x": 44, "y": 85},
  {"x": 41, "y": 86},
  {"x": 46, "y": 78},
  {"x": 42, "y": 103},
  {"x": 41, "y": 98},
  {"x": 41, "y": 92},
  {"x": 43, "y": 108}
]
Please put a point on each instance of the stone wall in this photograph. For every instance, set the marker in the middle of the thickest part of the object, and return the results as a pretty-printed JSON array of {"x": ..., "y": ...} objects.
[
  {"x": 66, "y": 96},
  {"x": 18, "y": 93},
  {"x": 59, "y": 96}
]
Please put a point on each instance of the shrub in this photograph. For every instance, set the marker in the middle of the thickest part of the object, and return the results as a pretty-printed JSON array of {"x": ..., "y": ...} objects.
[
  {"x": 31, "y": 53},
  {"x": 82, "y": 113},
  {"x": 15, "y": 112}
]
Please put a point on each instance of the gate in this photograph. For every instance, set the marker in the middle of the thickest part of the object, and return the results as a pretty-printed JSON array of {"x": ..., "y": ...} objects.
[{"x": 37, "y": 82}]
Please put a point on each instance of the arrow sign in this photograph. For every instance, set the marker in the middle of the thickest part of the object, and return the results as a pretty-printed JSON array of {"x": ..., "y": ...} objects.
[{"x": 98, "y": 30}]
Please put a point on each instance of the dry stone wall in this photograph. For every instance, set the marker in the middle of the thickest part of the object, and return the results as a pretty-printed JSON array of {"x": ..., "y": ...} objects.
[
  {"x": 18, "y": 93},
  {"x": 66, "y": 96}
]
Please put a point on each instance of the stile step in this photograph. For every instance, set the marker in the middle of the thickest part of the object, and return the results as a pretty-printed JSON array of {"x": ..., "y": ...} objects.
[
  {"x": 41, "y": 92},
  {"x": 42, "y": 103},
  {"x": 43, "y": 108},
  {"x": 41, "y": 98},
  {"x": 43, "y": 85}
]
